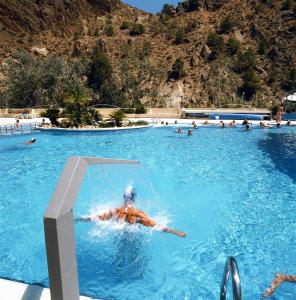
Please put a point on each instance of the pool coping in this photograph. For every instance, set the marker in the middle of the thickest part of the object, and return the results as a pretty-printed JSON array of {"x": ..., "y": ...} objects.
[
  {"x": 94, "y": 129},
  {"x": 14, "y": 290}
]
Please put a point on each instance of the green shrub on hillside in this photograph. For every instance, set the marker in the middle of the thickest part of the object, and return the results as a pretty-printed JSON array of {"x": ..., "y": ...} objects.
[
  {"x": 179, "y": 36},
  {"x": 177, "y": 69},
  {"x": 246, "y": 60},
  {"x": 216, "y": 43},
  {"x": 137, "y": 29},
  {"x": 233, "y": 45},
  {"x": 263, "y": 47},
  {"x": 124, "y": 25},
  {"x": 227, "y": 25},
  {"x": 251, "y": 83},
  {"x": 109, "y": 30},
  {"x": 289, "y": 83},
  {"x": 168, "y": 10}
]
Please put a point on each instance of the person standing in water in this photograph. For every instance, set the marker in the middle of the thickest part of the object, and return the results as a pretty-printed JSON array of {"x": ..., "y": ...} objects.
[{"x": 132, "y": 215}]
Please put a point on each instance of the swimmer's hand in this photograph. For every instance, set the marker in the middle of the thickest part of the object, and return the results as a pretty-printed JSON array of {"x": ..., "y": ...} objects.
[{"x": 174, "y": 231}]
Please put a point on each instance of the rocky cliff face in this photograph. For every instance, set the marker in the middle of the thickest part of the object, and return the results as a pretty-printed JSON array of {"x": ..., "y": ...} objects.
[{"x": 266, "y": 27}]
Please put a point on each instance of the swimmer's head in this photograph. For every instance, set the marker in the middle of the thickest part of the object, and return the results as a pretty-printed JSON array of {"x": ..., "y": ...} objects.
[
  {"x": 129, "y": 195},
  {"x": 33, "y": 140}
]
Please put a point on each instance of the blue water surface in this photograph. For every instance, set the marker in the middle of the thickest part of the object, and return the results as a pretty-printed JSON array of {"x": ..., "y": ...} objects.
[{"x": 233, "y": 193}]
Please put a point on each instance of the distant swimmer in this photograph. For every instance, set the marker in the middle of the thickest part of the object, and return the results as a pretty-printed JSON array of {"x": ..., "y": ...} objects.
[
  {"x": 248, "y": 127},
  {"x": 290, "y": 124},
  {"x": 246, "y": 121},
  {"x": 232, "y": 124},
  {"x": 265, "y": 125},
  {"x": 189, "y": 132},
  {"x": 32, "y": 141},
  {"x": 179, "y": 130},
  {"x": 132, "y": 215},
  {"x": 221, "y": 124}
]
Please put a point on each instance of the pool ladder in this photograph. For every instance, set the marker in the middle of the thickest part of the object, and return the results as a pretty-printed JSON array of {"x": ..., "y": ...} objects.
[{"x": 231, "y": 266}]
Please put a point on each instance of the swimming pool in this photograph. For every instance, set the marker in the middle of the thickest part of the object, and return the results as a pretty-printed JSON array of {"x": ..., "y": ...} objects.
[{"x": 232, "y": 191}]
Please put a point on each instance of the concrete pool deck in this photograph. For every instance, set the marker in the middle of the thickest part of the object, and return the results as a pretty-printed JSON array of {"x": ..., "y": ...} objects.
[{"x": 13, "y": 290}]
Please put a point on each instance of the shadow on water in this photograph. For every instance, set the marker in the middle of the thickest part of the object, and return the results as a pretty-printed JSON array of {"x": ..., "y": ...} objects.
[{"x": 280, "y": 147}]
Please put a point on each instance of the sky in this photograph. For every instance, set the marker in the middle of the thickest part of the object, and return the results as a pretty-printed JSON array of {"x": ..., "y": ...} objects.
[{"x": 153, "y": 6}]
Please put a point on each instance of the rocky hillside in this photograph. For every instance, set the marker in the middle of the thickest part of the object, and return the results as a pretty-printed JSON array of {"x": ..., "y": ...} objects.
[{"x": 214, "y": 71}]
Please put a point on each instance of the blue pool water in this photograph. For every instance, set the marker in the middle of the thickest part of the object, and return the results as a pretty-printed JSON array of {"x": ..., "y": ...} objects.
[{"x": 233, "y": 192}]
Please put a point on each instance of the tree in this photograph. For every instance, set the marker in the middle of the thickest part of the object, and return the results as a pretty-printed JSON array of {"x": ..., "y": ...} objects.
[
  {"x": 117, "y": 116},
  {"x": 227, "y": 25},
  {"x": 233, "y": 45},
  {"x": 137, "y": 29},
  {"x": 180, "y": 36},
  {"x": 168, "y": 10},
  {"x": 99, "y": 69},
  {"x": 139, "y": 78},
  {"x": 32, "y": 82},
  {"x": 246, "y": 60},
  {"x": 77, "y": 106},
  {"x": 290, "y": 81},
  {"x": 124, "y": 25},
  {"x": 216, "y": 43},
  {"x": 109, "y": 30},
  {"x": 53, "y": 114},
  {"x": 251, "y": 83},
  {"x": 177, "y": 69}
]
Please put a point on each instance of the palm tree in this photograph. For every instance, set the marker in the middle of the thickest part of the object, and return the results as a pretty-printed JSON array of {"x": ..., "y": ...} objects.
[
  {"x": 77, "y": 104},
  {"x": 117, "y": 116}
]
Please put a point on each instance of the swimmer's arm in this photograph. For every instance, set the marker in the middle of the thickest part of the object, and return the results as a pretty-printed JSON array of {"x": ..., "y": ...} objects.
[
  {"x": 106, "y": 216},
  {"x": 173, "y": 231},
  {"x": 150, "y": 223}
]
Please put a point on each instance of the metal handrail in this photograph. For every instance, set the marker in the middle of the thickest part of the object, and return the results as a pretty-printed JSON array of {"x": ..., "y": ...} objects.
[
  {"x": 231, "y": 266},
  {"x": 11, "y": 129}
]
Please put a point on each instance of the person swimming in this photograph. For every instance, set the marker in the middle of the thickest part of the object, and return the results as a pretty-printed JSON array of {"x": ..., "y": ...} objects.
[
  {"x": 132, "y": 215},
  {"x": 32, "y": 141}
]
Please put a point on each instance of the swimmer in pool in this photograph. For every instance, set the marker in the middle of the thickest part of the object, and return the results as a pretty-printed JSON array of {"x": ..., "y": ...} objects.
[
  {"x": 132, "y": 215},
  {"x": 277, "y": 281},
  {"x": 32, "y": 141}
]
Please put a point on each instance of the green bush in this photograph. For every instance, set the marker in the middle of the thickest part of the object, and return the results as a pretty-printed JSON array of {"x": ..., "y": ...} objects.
[
  {"x": 190, "y": 5},
  {"x": 216, "y": 43},
  {"x": 99, "y": 69},
  {"x": 52, "y": 114},
  {"x": 177, "y": 69},
  {"x": 263, "y": 47},
  {"x": 117, "y": 116},
  {"x": 290, "y": 81},
  {"x": 179, "y": 36},
  {"x": 251, "y": 83},
  {"x": 227, "y": 25},
  {"x": 137, "y": 29},
  {"x": 233, "y": 45},
  {"x": 124, "y": 25},
  {"x": 246, "y": 60},
  {"x": 168, "y": 10},
  {"x": 109, "y": 30}
]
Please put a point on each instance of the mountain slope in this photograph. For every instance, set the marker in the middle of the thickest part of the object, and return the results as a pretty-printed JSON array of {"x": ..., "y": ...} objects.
[{"x": 266, "y": 27}]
